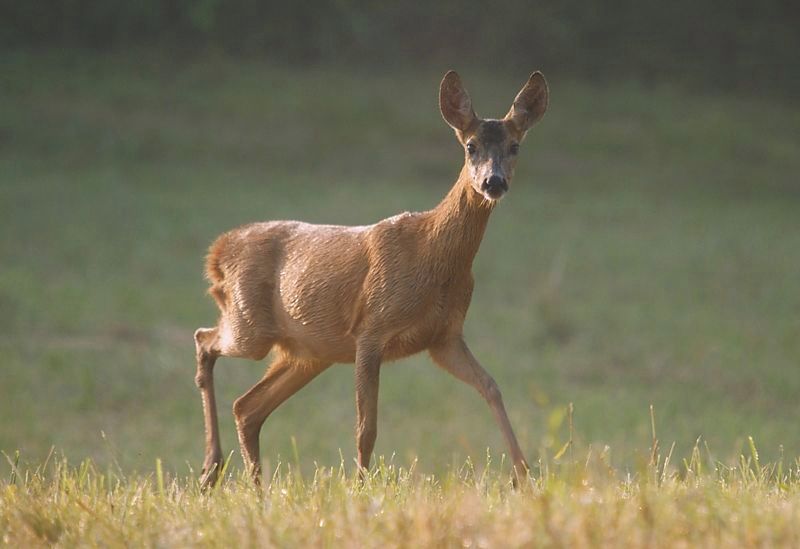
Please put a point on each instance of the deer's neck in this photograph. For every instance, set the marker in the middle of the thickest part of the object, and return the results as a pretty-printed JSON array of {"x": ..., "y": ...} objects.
[{"x": 457, "y": 225}]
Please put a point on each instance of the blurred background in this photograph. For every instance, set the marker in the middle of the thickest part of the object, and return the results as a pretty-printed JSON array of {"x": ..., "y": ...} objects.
[{"x": 648, "y": 252}]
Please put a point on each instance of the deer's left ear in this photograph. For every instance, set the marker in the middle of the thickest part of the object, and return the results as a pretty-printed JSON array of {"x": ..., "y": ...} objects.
[{"x": 530, "y": 104}]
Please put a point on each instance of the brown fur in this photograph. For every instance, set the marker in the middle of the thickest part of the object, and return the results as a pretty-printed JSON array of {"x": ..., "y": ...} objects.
[{"x": 322, "y": 294}]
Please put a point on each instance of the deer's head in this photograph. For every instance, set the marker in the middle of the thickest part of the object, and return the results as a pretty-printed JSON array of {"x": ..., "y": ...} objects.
[{"x": 491, "y": 146}]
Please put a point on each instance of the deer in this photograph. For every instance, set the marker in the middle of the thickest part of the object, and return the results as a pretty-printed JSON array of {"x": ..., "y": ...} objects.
[{"x": 317, "y": 295}]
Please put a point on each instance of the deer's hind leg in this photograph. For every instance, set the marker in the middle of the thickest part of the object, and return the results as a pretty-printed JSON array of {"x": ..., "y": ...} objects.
[
  {"x": 210, "y": 345},
  {"x": 207, "y": 350},
  {"x": 285, "y": 376}
]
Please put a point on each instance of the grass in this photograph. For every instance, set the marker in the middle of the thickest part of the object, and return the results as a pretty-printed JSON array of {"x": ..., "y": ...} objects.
[
  {"x": 647, "y": 254},
  {"x": 569, "y": 504}
]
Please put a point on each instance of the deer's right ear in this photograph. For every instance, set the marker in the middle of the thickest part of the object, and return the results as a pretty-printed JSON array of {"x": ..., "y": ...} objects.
[{"x": 454, "y": 102}]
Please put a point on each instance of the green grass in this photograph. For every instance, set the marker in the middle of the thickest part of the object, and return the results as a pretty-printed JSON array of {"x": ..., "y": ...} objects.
[
  {"x": 572, "y": 504},
  {"x": 647, "y": 254}
]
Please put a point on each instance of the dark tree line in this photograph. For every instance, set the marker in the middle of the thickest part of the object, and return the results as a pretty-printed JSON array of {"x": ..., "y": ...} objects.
[{"x": 724, "y": 43}]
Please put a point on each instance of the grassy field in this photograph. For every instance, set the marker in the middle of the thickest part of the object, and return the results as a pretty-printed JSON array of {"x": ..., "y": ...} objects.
[
  {"x": 647, "y": 254},
  {"x": 575, "y": 504}
]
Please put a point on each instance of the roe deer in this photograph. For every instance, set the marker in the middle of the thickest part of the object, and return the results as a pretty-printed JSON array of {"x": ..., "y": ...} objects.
[{"x": 321, "y": 294}]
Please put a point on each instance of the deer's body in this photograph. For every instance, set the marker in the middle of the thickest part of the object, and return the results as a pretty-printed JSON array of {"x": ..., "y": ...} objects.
[
  {"x": 406, "y": 279},
  {"x": 324, "y": 294}
]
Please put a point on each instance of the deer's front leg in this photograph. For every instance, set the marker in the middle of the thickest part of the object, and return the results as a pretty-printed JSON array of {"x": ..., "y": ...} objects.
[
  {"x": 455, "y": 357},
  {"x": 368, "y": 367}
]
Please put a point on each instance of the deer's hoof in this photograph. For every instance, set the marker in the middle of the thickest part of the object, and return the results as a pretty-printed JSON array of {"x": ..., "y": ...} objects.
[
  {"x": 520, "y": 475},
  {"x": 210, "y": 473}
]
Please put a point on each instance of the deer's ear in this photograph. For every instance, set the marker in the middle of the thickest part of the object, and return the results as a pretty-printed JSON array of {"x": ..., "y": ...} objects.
[
  {"x": 454, "y": 102},
  {"x": 530, "y": 104}
]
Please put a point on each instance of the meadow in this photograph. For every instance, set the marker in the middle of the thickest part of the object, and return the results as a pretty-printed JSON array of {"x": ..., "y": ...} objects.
[
  {"x": 647, "y": 254},
  {"x": 576, "y": 504}
]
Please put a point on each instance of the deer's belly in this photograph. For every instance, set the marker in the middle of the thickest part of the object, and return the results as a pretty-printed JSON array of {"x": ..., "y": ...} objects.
[
  {"x": 314, "y": 329},
  {"x": 318, "y": 342},
  {"x": 333, "y": 343}
]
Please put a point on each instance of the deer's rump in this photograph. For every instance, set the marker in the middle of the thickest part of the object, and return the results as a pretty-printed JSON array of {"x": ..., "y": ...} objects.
[{"x": 289, "y": 283}]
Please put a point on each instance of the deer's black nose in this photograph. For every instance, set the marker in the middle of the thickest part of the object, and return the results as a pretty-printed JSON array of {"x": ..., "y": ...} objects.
[{"x": 495, "y": 186}]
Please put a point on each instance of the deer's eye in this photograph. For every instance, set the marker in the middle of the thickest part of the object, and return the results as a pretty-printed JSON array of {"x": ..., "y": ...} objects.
[
  {"x": 514, "y": 148},
  {"x": 471, "y": 148}
]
